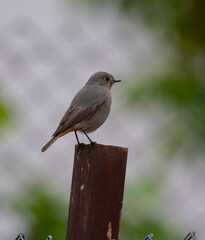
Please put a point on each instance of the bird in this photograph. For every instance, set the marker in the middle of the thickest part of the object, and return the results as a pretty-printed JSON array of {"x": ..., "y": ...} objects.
[{"x": 88, "y": 110}]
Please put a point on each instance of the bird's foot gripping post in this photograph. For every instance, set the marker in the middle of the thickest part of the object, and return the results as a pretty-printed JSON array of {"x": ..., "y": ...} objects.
[
  {"x": 97, "y": 193},
  {"x": 81, "y": 144}
]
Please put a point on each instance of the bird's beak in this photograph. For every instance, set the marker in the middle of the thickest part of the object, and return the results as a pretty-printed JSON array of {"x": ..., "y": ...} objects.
[{"x": 117, "y": 80}]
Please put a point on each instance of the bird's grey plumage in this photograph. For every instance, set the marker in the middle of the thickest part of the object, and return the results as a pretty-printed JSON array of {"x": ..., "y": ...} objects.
[
  {"x": 81, "y": 113},
  {"x": 89, "y": 108}
]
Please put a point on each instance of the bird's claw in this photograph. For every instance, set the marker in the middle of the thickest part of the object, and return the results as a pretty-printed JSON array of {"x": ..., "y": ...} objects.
[
  {"x": 80, "y": 145},
  {"x": 92, "y": 143}
]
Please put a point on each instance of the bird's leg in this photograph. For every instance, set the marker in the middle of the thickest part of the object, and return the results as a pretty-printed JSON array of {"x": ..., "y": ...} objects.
[
  {"x": 77, "y": 138},
  {"x": 91, "y": 142},
  {"x": 79, "y": 144}
]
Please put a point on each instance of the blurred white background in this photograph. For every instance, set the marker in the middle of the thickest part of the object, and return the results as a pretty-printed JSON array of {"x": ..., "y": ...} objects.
[{"x": 48, "y": 50}]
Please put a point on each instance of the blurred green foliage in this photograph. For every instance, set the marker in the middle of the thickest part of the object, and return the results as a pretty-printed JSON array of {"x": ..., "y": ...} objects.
[
  {"x": 44, "y": 211},
  {"x": 178, "y": 89},
  {"x": 142, "y": 213},
  {"x": 182, "y": 92},
  {"x": 182, "y": 22},
  {"x": 5, "y": 114}
]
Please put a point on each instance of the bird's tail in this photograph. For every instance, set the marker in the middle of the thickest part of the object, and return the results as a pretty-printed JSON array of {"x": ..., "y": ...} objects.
[
  {"x": 53, "y": 139},
  {"x": 49, "y": 143}
]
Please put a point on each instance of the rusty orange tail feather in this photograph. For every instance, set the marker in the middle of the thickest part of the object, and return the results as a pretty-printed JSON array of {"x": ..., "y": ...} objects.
[
  {"x": 49, "y": 143},
  {"x": 53, "y": 139}
]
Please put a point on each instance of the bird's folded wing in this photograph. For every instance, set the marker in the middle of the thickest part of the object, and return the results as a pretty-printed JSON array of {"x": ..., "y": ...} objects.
[{"x": 75, "y": 115}]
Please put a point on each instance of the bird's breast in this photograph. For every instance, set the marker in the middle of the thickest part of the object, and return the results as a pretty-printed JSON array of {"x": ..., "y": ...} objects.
[{"x": 98, "y": 118}]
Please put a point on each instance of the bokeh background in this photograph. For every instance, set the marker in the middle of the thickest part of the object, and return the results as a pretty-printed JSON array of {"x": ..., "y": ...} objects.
[{"x": 48, "y": 50}]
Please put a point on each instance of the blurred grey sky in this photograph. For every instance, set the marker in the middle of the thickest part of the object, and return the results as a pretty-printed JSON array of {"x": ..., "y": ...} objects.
[{"x": 48, "y": 50}]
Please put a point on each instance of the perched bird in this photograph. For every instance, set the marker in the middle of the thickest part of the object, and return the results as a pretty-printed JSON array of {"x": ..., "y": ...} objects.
[{"x": 89, "y": 108}]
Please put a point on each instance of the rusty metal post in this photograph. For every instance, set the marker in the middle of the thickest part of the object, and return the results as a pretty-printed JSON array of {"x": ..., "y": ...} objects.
[{"x": 97, "y": 193}]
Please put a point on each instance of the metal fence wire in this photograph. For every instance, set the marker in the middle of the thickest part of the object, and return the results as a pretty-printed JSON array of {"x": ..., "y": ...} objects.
[
  {"x": 21, "y": 236},
  {"x": 190, "y": 236}
]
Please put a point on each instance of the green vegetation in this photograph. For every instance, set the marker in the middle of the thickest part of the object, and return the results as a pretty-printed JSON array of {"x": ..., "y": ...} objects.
[
  {"x": 5, "y": 114},
  {"x": 44, "y": 211},
  {"x": 143, "y": 212},
  {"x": 181, "y": 92}
]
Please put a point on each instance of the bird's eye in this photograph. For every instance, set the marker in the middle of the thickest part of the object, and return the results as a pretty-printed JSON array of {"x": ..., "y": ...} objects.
[{"x": 107, "y": 79}]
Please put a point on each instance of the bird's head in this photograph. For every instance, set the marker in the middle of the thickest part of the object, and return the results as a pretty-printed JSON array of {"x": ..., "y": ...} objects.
[{"x": 102, "y": 79}]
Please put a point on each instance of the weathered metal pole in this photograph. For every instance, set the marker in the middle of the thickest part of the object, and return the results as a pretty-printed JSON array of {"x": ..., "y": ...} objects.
[{"x": 97, "y": 193}]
